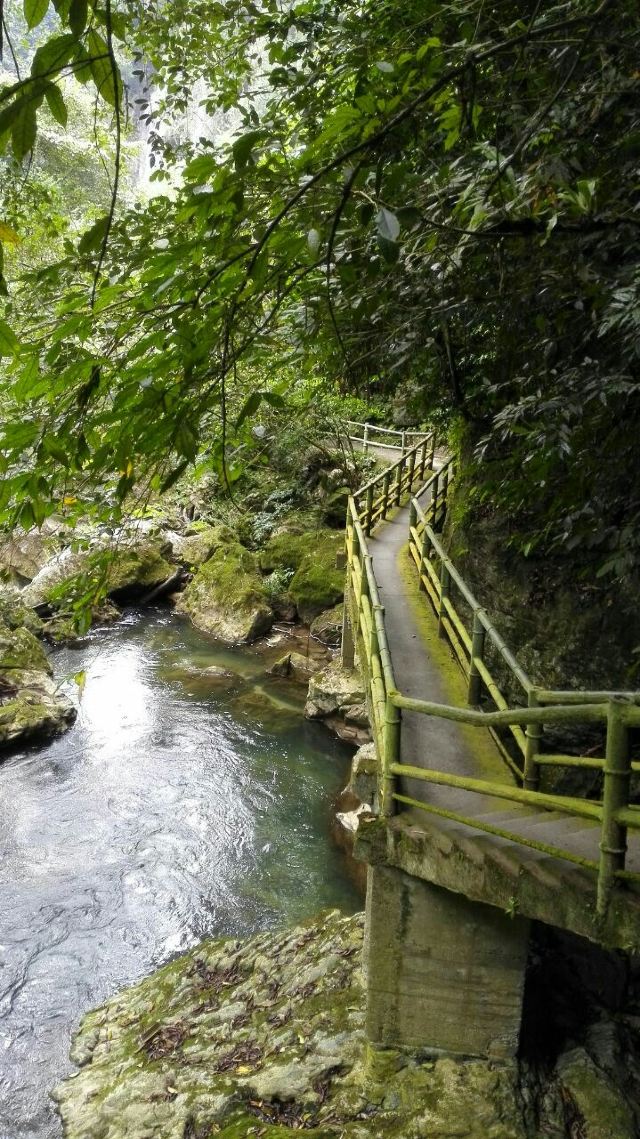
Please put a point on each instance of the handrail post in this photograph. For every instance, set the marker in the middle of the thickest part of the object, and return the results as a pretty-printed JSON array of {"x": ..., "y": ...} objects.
[
  {"x": 533, "y": 734},
  {"x": 432, "y": 456},
  {"x": 368, "y": 511},
  {"x": 617, "y": 776},
  {"x": 424, "y": 557},
  {"x": 423, "y": 458},
  {"x": 386, "y": 479},
  {"x": 390, "y": 754},
  {"x": 477, "y": 653},
  {"x": 398, "y": 489},
  {"x": 433, "y": 505},
  {"x": 412, "y": 468},
  {"x": 365, "y": 439},
  {"x": 445, "y": 582},
  {"x": 403, "y": 441},
  {"x": 413, "y": 516}
]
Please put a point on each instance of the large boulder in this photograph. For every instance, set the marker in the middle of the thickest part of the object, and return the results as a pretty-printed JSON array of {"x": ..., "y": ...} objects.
[
  {"x": 126, "y": 571},
  {"x": 195, "y": 548},
  {"x": 327, "y": 626},
  {"x": 24, "y": 553},
  {"x": 227, "y": 597},
  {"x": 31, "y": 704},
  {"x": 316, "y": 584},
  {"x": 336, "y": 696}
]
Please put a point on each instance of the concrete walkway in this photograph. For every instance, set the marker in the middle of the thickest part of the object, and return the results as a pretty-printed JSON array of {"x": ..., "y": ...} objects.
[{"x": 424, "y": 668}]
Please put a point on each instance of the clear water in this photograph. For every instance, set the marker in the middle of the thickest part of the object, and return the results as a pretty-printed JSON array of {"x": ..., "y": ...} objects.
[{"x": 179, "y": 806}]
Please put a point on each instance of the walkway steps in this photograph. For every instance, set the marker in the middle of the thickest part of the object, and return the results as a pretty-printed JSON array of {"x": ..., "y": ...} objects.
[{"x": 456, "y": 856}]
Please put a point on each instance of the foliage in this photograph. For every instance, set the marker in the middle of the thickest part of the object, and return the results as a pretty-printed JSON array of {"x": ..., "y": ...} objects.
[{"x": 435, "y": 196}]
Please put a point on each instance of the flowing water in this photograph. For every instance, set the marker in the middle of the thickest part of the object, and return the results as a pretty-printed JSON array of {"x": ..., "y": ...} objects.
[{"x": 182, "y": 804}]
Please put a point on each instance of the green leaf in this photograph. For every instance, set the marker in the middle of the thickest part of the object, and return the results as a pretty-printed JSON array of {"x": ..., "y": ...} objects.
[
  {"x": 250, "y": 407},
  {"x": 93, "y": 238},
  {"x": 313, "y": 240},
  {"x": 53, "y": 55},
  {"x": 9, "y": 343},
  {"x": 200, "y": 168},
  {"x": 104, "y": 72},
  {"x": 242, "y": 147},
  {"x": 384, "y": 67},
  {"x": 24, "y": 130},
  {"x": 78, "y": 14},
  {"x": 56, "y": 104},
  {"x": 173, "y": 476},
  {"x": 35, "y": 12},
  {"x": 388, "y": 225},
  {"x": 390, "y": 250}
]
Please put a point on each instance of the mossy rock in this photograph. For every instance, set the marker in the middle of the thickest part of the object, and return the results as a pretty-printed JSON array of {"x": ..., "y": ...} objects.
[
  {"x": 227, "y": 597},
  {"x": 327, "y": 626},
  {"x": 31, "y": 704},
  {"x": 195, "y": 549},
  {"x": 19, "y": 650},
  {"x": 15, "y": 614},
  {"x": 125, "y": 572}
]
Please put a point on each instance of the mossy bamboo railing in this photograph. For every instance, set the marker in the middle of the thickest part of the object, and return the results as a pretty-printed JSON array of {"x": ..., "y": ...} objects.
[{"x": 470, "y": 631}]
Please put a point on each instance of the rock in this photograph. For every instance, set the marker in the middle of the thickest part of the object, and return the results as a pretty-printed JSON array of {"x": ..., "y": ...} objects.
[
  {"x": 327, "y": 626},
  {"x": 349, "y": 820},
  {"x": 15, "y": 614},
  {"x": 296, "y": 667},
  {"x": 193, "y": 549},
  {"x": 31, "y": 704},
  {"x": 332, "y": 690},
  {"x": 240, "y": 1038},
  {"x": 227, "y": 598},
  {"x": 316, "y": 584},
  {"x": 126, "y": 572},
  {"x": 24, "y": 553},
  {"x": 336, "y": 696},
  {"x": 364, "y": 774},
  {"x": 603, "y": 1111}
]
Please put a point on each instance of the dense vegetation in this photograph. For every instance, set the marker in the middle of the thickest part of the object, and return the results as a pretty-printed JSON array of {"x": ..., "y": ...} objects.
[{"x": 425, "y": 204}]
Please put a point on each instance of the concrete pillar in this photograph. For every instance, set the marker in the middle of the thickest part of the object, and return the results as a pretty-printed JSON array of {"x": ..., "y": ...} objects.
[{"x": 443, "y": 974}]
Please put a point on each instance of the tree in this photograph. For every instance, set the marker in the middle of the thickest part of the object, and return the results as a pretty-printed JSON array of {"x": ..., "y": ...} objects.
[{"x": 428, "y": 195}]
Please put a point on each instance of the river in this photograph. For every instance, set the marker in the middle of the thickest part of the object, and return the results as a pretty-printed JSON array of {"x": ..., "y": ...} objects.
[{"x": 182, "y": 804}]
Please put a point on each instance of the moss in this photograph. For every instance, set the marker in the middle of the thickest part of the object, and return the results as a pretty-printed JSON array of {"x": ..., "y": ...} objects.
[
  {"x": 227, "y": 596},
  {"x": 19, "y": 649}
]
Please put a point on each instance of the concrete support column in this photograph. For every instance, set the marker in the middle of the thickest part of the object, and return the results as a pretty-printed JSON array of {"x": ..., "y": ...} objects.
[{"x": 443, "y": 973}]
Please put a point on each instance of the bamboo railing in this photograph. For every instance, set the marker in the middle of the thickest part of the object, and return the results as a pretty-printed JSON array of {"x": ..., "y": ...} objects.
[
  {"x": 387, "y": 438},
  {"x": 470, "y": 632}
]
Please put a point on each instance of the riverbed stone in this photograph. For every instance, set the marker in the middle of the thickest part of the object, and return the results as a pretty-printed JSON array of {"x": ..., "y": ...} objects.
[
  {"x": 227, "y": 597},
  {"x": 196, "y": 547},
  {"x": 32, "y": 707},
  {"x": 296, "y": 667},
  {"x": 24, "y": 552},
  {"x": 336, "y": 696},
  {"x": 129, "y": 571},
  {"x": 311, "y": 557},
  {"x": 327, "y": 626}
]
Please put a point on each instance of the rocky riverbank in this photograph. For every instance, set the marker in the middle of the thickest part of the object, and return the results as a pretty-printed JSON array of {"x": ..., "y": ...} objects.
[{"x": 266, "y": 1037}]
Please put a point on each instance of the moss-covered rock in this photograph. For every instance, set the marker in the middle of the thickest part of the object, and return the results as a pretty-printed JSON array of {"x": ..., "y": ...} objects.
[
  {"x": 227, "y": 597},
  {"x": 266, "y": 1037},
  {"x": 31, "y": 704},
  {"x": 196, "y": 548},
  {"x": 15, "y": 614},
  {"x": 327, "y": 626},
  {"x": 124, "y": 571},
  {"x": 295, "y": 666},
  {"x": 316, "y": 584}
]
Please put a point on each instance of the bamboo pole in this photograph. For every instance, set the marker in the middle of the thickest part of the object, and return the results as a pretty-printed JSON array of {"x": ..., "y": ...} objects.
[{"x": 617, "y": 773}]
